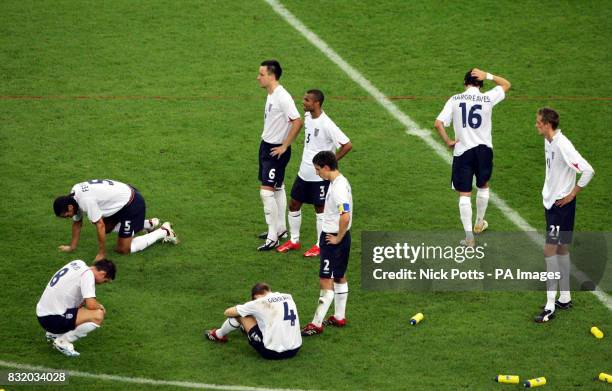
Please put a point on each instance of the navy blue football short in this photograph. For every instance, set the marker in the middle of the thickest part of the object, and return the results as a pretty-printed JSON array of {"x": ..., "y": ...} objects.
[
  {"x": 59, "y": 324},
  {"x": 132, "y": 215},
  {"x": 334, "y": 258},
  {"x": 560, "y": 223},
  {"x": 309, "y": 192},
  {"x": 256, "y": 341},
  {"x": 272, "y": 168},
  {"x": 477, "y": 161}
]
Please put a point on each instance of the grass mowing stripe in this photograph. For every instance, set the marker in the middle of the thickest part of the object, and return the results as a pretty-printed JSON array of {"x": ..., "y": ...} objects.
[
  {"x": 412, "y": 127},
  {"x": 140, "y": 380}
]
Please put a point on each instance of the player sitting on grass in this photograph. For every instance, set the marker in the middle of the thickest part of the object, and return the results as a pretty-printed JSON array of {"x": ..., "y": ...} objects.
[
  {"x": 68, "y": 309},
  {"x": 111, "y": 206},
  {"x": 270, "y": 320}
]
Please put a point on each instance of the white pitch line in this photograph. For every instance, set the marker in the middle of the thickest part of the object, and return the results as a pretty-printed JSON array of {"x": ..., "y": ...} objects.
[
  {"x": 139, "y": 380},
  {"x": 411, "y": 127}
]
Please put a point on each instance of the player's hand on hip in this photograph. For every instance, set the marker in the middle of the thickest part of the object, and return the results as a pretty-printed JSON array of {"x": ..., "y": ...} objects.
[
  {"x": 477, "y": 73},
  {"x": 565, "y": 200},
  {"x": 451, "y": 143},
  {"x": 278, "y": 151},
  {"x": 332, "y": 239},
  {"x": 65, "y": 249}
]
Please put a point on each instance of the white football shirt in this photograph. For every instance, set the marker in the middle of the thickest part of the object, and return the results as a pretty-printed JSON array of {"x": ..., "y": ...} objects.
[
  {"x": 100, "y": 198},
  {"x": 470, "y": 112},
  {"x": 338, "y": 200},
  {"x": 320, "y": 134},
  {"x": 562, "y": 163},
  {"x": 280, "y": 109},
  {"x": 277, "y": 318},
  {"x": 67, "y": 289}
]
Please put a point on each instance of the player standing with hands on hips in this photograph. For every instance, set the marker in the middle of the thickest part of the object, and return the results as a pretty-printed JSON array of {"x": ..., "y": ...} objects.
[
  {"x": 559, "y": 198},
  {"x": 470, "y": 112},
  {"x": 335, "y": 242},
  {"x": 282, "y": 123}
]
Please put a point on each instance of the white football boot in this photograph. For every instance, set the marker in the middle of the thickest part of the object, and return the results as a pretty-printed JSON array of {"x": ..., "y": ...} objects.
[
  {"x": 153, "y": 224},
  {"x": 65, "y": 347},
  {"x": 480, "y": 227},
  {"x": 170, "y": 234}
]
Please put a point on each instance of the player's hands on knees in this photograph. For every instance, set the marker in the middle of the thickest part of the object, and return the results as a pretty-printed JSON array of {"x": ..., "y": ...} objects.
[
  {"x": 65, "y": 249},
  {"x": 477, "y": 73},
  {"x": 102, "y": 308},
  {"x": 278, "y": 151}
]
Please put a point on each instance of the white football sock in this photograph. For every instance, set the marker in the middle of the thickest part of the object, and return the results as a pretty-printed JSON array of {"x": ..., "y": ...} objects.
[
  {"x": 319, "y": 226},
  {"x": 80, "y": 331},
  {"x": 564, "y": 283},
  {"x": 230, "y": 324},
  {"x": 325, "y": 299},
  {"x": 340, "y": 299},
  {"x": 295, "y": 222},
  {"x": 551, "y": 285},
  {"x": 270, "y": 212},
  {"x": 465, "y": 212},
  {"x": 141, "y": 242},
  {"x": 281, "y": 203},
  {"x": 482, "y": 200}
]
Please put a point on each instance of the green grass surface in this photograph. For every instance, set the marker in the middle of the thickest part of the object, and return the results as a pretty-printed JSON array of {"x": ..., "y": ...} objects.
[{"x": 193, "y": 154}]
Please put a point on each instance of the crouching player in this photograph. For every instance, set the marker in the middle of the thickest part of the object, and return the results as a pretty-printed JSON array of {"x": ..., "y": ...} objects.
[
  {"x": 68, "y": 309},
  {"x": 270, "y": 320}
]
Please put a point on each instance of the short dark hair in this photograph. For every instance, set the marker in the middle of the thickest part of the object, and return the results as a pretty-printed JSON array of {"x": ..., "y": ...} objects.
[
  {"x": 108, "y": 266},
  {"x": 318, "y": 95},
  {"x": 60, "y": 205},
  {"x": 259, "y": 289},
  {"x": 273, "y": 66},
  {"x": 326, "y": 158},
  {"x": 470, "y": 80},
  {"x": 549, "y": 116}
]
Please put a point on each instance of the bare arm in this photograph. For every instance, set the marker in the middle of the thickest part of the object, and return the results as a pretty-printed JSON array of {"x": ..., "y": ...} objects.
[
  {"x": 500, "y": 81},
  {"x": 439, "y": 125},
  {"x": 342, "y": 228},
  {"x": 101, "y": 230},
  {"x": 296, "y": 126},
  {"x": 76, "y": 234},
  {"x": 231, "y": 312},
  {"x": 92, "y": 304},
  {"x": 344, "y": 149}
]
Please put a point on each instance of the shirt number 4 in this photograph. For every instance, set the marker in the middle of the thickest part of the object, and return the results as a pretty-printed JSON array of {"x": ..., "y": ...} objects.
[{"x": 289, "y": 314}]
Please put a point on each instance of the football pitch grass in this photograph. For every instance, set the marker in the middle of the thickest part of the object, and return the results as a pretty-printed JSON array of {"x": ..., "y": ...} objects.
[{"x": 163, "y": 95}]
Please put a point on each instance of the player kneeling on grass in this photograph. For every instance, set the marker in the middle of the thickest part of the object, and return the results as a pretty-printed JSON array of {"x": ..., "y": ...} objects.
[
  {"x": 111, "y": 206},
  {"x": 270, "y": 320},
  {"x": 68, "y": 309},
  {"x": 335, "y": 245}
]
